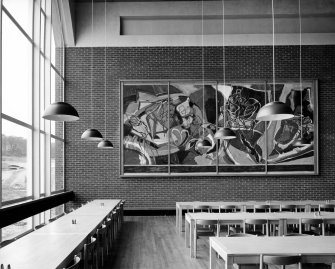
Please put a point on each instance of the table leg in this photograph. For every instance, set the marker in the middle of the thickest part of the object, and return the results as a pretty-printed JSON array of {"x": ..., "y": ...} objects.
[
  {"x": 177, "y": 216},
  {"x": 195, "y": 239},
  {"x": 229, "y": 263},
  {"x": 191, "y": 237},
  {"x": 212, "y": 256},
  {"x": 187, "y": 233},
  {"x": 180, "y": 219}
]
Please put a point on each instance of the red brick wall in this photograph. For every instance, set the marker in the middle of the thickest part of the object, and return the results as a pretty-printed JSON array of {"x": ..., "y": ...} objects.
[{"x": 94, "y": 173}]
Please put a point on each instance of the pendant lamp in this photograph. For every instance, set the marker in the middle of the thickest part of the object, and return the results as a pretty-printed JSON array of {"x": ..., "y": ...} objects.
[
  {"x": 300, "y": 142},
  {"x": 105, "y": 144},
  {"x": 203, "y": 143},
  {"x": 60, "y": 111},
  {"x": 224, "y": 133},
  {"x": 92, "y": 134},
  {"x": 275, "y": 110}
]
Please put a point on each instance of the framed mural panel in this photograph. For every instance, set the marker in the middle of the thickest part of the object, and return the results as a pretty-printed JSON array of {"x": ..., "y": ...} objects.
[{"x": 168, "y": 128}]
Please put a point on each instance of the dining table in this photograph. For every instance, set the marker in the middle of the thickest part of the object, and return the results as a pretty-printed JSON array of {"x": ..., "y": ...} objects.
[{"x": 55, "y": 244}]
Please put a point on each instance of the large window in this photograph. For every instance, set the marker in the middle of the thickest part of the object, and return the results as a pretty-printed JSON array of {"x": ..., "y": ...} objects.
[{"x": 32, "y": 78}]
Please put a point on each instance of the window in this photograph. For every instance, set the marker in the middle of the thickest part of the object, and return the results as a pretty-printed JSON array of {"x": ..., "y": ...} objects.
[
  {"x": 16, "y": 161},
  {"x": 28, "y": 141},
  {"x": 16, "y": 72}
]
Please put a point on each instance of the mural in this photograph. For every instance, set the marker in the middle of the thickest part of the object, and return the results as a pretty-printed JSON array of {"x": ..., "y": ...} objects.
[{"x": 169, "y": 129}]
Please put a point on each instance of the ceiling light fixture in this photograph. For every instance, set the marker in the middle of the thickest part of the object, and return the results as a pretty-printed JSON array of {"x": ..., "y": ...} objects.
[
  {"x": 300, "y": 142},
  {"x": 203, "y": 143},
  {"x": 92, "y": 134},
  {"x": 105, "y": 144},
  {"x": 275, "y": 110},
  {"x": 224, "y": 133},
  {"x": 60, "y": 111}
]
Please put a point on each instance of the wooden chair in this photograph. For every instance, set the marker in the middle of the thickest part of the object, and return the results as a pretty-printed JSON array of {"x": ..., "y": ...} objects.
[
  {"x": 327, "y": 207},
  {"x": 241, "y": 235},
  {"x": 7, "y": 242},
  {"x": 201, "y": 208},
  {"x": 311, "y": 226},
  {"x": 109, "y": 226},
  {"x": 101, "y": 237},
  {"x": 281, "y": 260},
  {"x": 296, "y": 234},
  {"x": 248, "y": 223},
  {"x": 227, "y": 209},
  {"x": 288, "y": 208},
  {"x": 74, "y": 264},
  {"x": 122, "y": 210},
  {"x": 262, "y": 208},
  {"x": 206, "y": 228},
  {"x": 90, "y": 254},
  {"x": 328, "y": 227},
  {"x": 39, "y": 226}
]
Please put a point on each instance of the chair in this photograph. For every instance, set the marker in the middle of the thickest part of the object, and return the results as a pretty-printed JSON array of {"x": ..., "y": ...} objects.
[
  {"x": 109, "y": 226},
  {"x": 241, "y": 235},
  {"x": 74, "y": 264},
  {"x": 205, "y": 228},
  {"x": 262, "y": 208},
  {"x": 101, "y": 237},
  {"x": 227, "y": 209},
  {"x": 281, "y": 260},
  {"x": 201, "y": 208},
  {"x": 311, "y": 226},
  {"x": 7, "y": 242},
  {"x": 90, "y": 254},
  {"x": 39, "y": 226},
  {"x": 288, "y": 208},
  {"x": 327, "y": 207},
  {"x": 296, "y": 234},
  {"x": 328, "y": 227},
  {"x": 122, "y": 210},
  {"x": 254, "y": 223}
]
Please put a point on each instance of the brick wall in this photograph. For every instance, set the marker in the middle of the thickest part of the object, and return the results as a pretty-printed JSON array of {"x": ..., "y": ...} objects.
[{"x": 94, "y": 173}]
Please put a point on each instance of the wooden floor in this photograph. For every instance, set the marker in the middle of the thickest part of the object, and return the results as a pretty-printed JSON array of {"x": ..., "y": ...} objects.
[{"x": 152, "y": 242}]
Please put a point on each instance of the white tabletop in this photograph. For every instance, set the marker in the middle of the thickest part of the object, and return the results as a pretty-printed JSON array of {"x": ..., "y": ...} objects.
[{"x": 54, "y": 245}]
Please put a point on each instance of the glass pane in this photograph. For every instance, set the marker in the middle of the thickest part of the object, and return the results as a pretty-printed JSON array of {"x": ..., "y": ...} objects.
[
  {"x": 56, "y": 211},
  {"x": 55, "y": 95},
  {"x": 57, "y": 165},
  {"x": 43, "y": 4},
  {"x": 42, "y": 163},
  {"x": 22, "y": 11},
  {"x": 16, "y": 161},
  {"x": 17, "y": 228},
  {"x": 42, "y": 34},
  {"x": 53, "y": 48},
  {"x": 17, "y": 72},
  {"x": 42, "y": 91}
]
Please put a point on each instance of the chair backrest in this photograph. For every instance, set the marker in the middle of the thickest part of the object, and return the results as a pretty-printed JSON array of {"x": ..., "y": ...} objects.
[
  {"x": 312, "y": 221},
  {"x": 101, "y": 236},
  {"x": 75, "y": 264},
  {"x": 296, "y": 234},
  {"x": 329, "y": 221},
  {"x": 90, "y": 254},
  {"x": 7, "y": 242},
  {"x": 230, "y": 208},
  {"x": 39, "y": 226},
  {"x": 262, "y": 207},
  {"x": 281, "y": 260},
  {"x": 53, "y": 219},
  {"x": 241, "y": 235},
  {"x": 207, "y": 222},
  {"x": 201, "y": 208},
  {"x": 288, "y": 207},
  {"x": 256, "y": 221},
  {"x": 327, "y": 206}
]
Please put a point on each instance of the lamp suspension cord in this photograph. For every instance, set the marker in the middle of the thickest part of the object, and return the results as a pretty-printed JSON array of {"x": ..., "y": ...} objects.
[
  {"x": 203, "y": 67},
  {"x": 92, "y": 70},
  {"x": 273, "y": 53},
  {"x": 106, "y": 69},
  {"x": 300, "y": 72},
  {"x": 223, "y": 65}
]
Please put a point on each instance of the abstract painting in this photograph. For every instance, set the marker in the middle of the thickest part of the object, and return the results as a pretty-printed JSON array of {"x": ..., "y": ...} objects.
[{"x": 168, "y": 128}]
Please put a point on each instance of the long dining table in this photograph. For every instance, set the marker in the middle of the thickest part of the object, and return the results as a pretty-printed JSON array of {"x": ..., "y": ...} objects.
[
  {"x": 244, "y": 206},
  {"x": 55, "y": 244},
  {"x": 250, "y": 250},
  {"x": 278, "y": 218}
]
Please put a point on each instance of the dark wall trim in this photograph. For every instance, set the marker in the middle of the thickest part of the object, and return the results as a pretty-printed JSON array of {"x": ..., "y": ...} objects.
[{"x": 15, "y": 213}]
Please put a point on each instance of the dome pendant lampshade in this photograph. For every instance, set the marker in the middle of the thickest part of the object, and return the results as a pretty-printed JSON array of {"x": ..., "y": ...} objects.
[
  {"x": 60, "y": 111},
  {"x": 92, "y": 135},
  {"x": 274, "y": 111},
  {"x": 225, "y": 133},
  {"x": 105, "y": 144}
]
